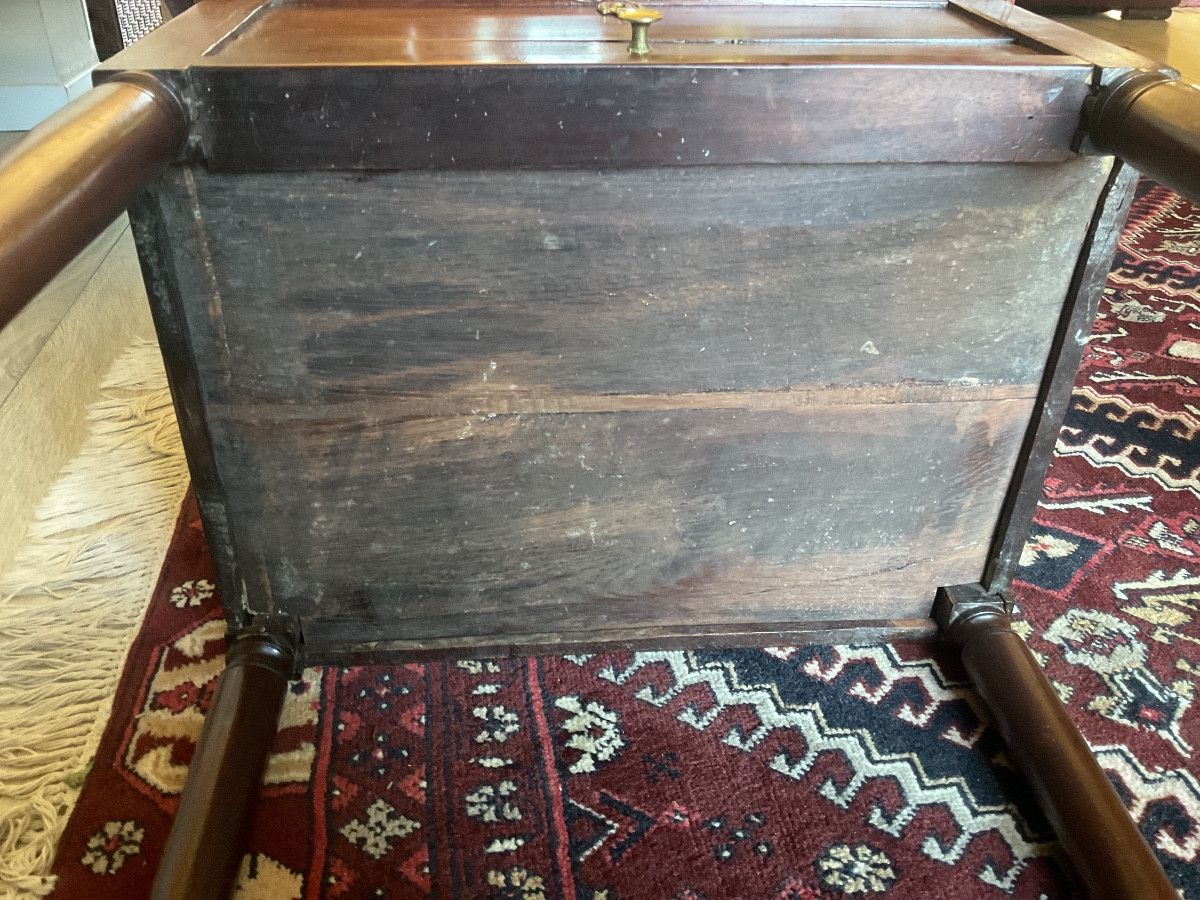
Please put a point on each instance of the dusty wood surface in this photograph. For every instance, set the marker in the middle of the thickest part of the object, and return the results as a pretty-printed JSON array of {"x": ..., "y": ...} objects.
[
  {"x": 167, "y": 286},
  {"x": 542, "y": 406},
  {"x": 450, "y": 289},
  {"x": 478, "y": 524},
  {"x": 1074, "y": 329}
]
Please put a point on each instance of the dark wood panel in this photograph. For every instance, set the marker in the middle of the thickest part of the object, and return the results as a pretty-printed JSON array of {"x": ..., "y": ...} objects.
[
  {"x": 498, "y": 524},
  {"x": 631, "y": 115},
  {"x": 1074, "y": 329},
  {"x": 422, "y": 420},
  {"x": 167, "y": 285},
  {"x": 518, "y": 288}
]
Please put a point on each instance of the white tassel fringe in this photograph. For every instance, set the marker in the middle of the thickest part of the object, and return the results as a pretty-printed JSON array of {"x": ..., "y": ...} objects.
[{"x": 72, "y": 604}]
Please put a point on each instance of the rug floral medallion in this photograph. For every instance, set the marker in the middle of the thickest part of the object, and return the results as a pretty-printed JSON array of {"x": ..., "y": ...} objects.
[{"x": 766, "y": 774}]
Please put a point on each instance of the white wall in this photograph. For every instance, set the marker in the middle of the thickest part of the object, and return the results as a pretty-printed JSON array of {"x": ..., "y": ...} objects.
[{"x": 46, "y": 57}]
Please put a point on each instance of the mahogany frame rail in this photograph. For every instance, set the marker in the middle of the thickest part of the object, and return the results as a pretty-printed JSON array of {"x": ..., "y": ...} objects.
[{"x": 63, "y": 183}]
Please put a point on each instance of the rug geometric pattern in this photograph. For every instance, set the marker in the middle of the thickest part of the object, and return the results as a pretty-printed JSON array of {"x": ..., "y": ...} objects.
[{"x": 792, "y": 773}]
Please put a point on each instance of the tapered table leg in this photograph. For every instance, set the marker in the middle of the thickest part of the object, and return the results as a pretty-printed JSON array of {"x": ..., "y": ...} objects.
[
  {"x": 1111, "y": 857},
  {"x": 207, "y": 838}
]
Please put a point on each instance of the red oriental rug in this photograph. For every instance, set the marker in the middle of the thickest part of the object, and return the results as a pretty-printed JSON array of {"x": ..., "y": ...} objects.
[{"x": 779, "y": 773}]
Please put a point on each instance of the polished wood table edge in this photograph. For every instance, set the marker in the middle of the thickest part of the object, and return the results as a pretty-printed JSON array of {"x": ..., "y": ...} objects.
[{"x": 202, "y": 33}]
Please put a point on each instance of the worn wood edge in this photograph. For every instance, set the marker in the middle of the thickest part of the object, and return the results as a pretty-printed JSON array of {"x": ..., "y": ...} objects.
[
  {"x": 1048, "y": 36},
  {"x": 1066, "y": 354},
  {"x": 316, "y": 651},
  {"x": 782, "y": 54},
  {"x": 166, "y": 308},
  {"x": 532, "y": 401},
  {"x": 182, "y": 41}
]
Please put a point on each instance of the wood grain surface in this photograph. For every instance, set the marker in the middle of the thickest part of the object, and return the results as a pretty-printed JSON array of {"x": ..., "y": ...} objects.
[
  {"x": 480, "y": 524},
  {"x": 543, "y": 405},
  {"x": 1066, "y": 355},
  {"x": 448, "y": 289}
]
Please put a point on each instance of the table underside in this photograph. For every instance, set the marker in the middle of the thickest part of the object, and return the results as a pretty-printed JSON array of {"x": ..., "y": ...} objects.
[{"x": 464, "y": 411}]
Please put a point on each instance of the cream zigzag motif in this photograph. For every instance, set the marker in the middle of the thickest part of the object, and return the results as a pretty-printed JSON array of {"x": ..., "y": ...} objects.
[
  {"x": 1156, "y": 581},
  {"x": 1165, "y": 601},
  {"x": 1101, "y": 449},
  {"x": 1147, "y": 787},
  {"x": 857, "y": 746},
  {"x": 1143, "y": 282},
  {"x": 1185, "y": 427},
  {"x": 938, "y": 689}
]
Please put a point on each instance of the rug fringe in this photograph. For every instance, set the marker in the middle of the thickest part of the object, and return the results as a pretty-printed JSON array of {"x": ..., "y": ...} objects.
[{"x": 73, "y": 602}]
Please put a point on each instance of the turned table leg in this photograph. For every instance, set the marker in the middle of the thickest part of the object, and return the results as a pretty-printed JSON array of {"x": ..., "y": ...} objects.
[
  {"x": 1112, "y": 859},
  {"x": 208, "y": 836}
]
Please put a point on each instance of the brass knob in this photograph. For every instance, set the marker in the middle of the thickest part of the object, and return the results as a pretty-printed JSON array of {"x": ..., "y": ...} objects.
[{"x": 640, "y": 20}]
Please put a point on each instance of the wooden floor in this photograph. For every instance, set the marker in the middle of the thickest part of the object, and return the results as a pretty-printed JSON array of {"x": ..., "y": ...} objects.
[
  {"x": 53, "y": 356},
  {"x": 1175, "y": 41}
]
